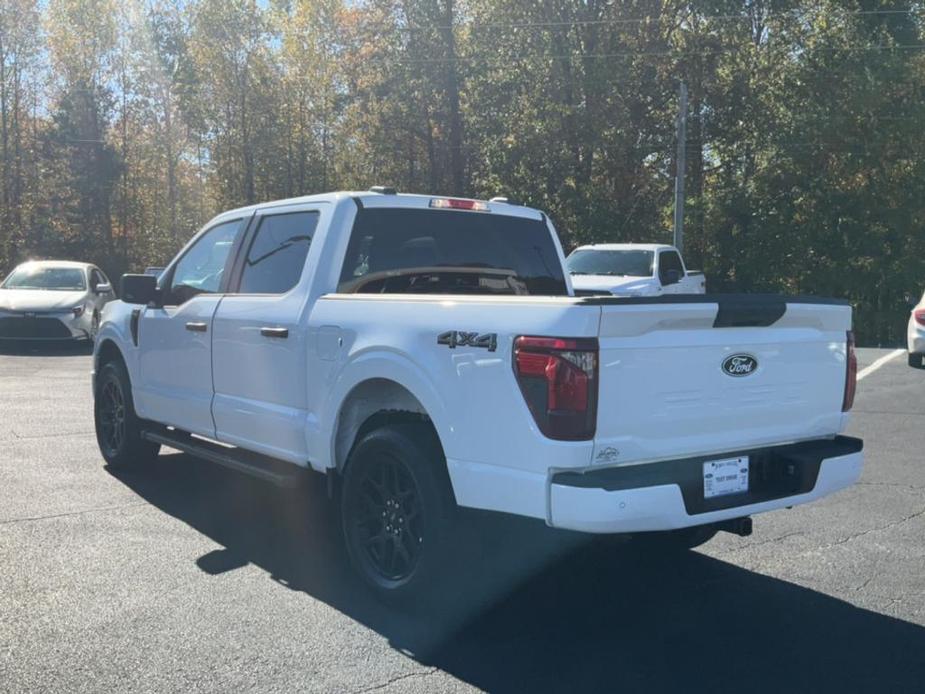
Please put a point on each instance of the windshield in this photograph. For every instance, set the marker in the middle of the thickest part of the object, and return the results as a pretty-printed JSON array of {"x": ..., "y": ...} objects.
[
  {"x": 414, "y": 251},
  {"x": 601, "y": 262},
  {"x": 45, "y": 277}
]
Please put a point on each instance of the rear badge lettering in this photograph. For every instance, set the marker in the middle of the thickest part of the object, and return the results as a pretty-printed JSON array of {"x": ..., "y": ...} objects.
[
  {"x": 459, "y": 338},
  {"x": 740, "y": 365}
]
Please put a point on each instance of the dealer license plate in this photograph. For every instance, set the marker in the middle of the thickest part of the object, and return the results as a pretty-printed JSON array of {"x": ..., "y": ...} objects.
[{"x": 727, "y": 476}]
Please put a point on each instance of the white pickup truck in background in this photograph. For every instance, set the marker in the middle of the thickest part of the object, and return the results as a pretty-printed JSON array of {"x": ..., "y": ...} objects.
[
  {"x": 632, "y": 269},
  {"x": 428, "y": 354}
]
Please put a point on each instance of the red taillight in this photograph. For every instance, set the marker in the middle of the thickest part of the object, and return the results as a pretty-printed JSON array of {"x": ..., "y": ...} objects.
[
  {"x": 851, "y": 374},
  {"x": 459, "y": 204},
  {"x": 558, "y": 379},
  {"x": 919, "y": 315}
]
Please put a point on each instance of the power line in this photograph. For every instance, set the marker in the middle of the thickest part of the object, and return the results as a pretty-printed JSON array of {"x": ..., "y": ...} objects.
[
  {"x": 638, "y": 20},
  {"x": 857, "y": 48}
]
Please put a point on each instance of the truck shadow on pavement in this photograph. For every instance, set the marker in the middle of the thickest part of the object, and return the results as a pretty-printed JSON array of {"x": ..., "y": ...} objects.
[{"x": 543, "y": 611}]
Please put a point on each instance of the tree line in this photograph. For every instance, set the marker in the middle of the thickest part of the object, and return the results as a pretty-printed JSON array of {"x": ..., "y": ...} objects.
[{"x": 125, "y": 125}]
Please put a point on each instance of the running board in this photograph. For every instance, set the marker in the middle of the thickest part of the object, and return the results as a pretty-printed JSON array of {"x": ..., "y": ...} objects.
[{"x": 253, "y": 464}]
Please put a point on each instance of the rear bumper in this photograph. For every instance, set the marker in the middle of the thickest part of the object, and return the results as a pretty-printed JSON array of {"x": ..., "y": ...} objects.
[
  {"x": 669, "y": 495},
  {"x": 916, "y": 341}
]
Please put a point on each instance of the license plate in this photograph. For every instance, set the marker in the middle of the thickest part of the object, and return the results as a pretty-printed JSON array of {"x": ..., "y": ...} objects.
[{"x": 727, "y": 476}]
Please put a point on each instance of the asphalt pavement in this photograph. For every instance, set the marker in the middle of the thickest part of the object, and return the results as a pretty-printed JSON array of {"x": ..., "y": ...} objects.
[{"x": 189, "y": 577}]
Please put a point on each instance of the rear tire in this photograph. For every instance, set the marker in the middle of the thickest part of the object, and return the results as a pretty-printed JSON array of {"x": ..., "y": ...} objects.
[
  {"x": 915, "y": 360},
  {"x": 398, "y": 512},
  {"x": 118, "y": 428}
]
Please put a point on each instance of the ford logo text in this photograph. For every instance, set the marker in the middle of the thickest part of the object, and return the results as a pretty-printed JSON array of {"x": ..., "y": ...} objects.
[{"x": 740, "y": 365}]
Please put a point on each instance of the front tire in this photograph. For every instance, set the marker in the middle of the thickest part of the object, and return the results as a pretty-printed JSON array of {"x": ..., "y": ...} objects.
[
  {"x": 94, "y": 327},
  {"x": 118, "y": 428},
  {"x": 398, "y": 512},
  {"x": 915, "y": 360}
]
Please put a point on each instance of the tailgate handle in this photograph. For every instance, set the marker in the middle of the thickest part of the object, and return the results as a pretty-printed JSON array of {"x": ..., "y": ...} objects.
[
  {"x": 281, "y": 333},
  {"x": 197, "y": 327}
]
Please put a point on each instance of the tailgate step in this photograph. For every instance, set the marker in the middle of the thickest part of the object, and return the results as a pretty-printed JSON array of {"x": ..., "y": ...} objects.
[{"x": 280, "y": 473}]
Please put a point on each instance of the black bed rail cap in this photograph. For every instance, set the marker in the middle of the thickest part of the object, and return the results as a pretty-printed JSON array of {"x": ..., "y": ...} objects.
[{"x": 735, "y": 310}]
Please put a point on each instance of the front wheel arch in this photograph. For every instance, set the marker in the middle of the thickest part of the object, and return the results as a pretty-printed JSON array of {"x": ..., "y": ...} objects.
[{"x": 107, "y": 351}]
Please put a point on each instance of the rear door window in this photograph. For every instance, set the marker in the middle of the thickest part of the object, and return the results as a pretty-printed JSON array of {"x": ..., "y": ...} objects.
[
  {"x": 277, "y": 255},
  {"x": 415, "y": 251}
]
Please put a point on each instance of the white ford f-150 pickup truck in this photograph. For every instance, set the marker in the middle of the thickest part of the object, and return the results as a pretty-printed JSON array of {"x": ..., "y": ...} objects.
[
  {"x": 427, "y": 354},
  {"x": 632, "y": 269}
]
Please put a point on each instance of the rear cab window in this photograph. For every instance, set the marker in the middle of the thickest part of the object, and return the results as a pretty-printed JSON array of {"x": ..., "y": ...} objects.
[{"x": 426, "y": 251}]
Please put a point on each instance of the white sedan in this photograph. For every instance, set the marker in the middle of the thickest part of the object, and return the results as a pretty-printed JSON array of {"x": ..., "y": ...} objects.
[
  {"x": 53, "y": 300},
  {"x": 915, "y": 334}
]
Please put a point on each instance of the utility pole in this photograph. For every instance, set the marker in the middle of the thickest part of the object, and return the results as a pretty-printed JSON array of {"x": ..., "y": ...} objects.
[{"x": 681, "y": 166}]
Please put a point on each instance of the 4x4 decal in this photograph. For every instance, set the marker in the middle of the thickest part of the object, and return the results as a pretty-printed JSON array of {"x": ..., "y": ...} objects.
[{"x": 460, "y": 338}]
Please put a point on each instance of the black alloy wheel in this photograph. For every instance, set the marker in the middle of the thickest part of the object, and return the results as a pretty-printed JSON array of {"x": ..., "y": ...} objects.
[
  {"x": 389, "y": 519},
  {"x": 111, "y": 417},
  {"x": 119, "y": 431},
  {"x": 398, "y": 512}
]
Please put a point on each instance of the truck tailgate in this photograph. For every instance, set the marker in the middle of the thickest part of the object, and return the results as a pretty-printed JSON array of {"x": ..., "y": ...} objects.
[{"x": 692, "y": 375}]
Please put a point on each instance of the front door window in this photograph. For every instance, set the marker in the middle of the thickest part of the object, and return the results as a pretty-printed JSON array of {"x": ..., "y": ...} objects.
[{"x": 202, "y": 267}]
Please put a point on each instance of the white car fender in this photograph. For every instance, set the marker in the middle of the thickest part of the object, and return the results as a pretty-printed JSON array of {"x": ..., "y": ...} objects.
[
  {"x": 115, "y": 327},
  {"x": 385, "y": 364}
]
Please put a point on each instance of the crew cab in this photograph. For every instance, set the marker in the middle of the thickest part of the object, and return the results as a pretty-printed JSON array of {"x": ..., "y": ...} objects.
[
  {"x": 632, "y": 269},
  {"x": 428, "y": 353}
]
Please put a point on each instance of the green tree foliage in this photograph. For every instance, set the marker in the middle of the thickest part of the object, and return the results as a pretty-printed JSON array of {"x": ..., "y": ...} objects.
[{"x": 125, "y": 126}]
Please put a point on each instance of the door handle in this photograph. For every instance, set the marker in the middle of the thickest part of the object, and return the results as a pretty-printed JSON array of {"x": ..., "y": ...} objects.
[
  {"x": 281, "y": 333},
  {"x": 197, "y": 327}
]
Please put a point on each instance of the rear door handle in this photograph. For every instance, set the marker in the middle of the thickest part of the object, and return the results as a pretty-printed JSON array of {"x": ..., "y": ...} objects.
[
  {"x": 197, "y": 327},
  {"x": 281, "y": 333}
]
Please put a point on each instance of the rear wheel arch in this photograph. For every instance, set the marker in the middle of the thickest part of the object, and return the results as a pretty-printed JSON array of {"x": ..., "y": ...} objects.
[{"x": 376, "y": 403}]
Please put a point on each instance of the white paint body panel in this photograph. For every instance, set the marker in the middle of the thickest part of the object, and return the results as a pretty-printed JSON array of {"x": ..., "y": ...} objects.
[
  {"x": 662, "y": 392},
  {"x": 173, "y": 380}
]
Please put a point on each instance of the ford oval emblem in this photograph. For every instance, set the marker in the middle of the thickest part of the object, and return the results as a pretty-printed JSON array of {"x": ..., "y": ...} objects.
[{"x": 740, "y": 365}]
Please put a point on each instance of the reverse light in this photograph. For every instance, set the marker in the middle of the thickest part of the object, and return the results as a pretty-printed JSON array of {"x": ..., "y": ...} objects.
[
  {"x": 459, "y": 204},
  {"x": 919, "y": 315},
  {"x": 558, "y": 379},
  {"x": 851, "y": 374}
]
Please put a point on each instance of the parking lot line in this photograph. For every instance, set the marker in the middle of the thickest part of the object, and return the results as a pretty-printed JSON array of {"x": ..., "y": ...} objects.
[{"x": 880, "y": 362}]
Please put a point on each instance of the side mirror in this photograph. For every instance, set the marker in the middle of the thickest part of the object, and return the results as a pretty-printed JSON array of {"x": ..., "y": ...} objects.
[
  {"x": 139, "y": 289},
  {"x": 103, "y": 288},
  {"x": 671, "y": 277}
]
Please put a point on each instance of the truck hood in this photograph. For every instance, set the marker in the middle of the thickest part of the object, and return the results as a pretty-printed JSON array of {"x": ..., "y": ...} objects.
[
  {"x": 39, "y": 299},
  {"x": 620, "y": 286}
]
